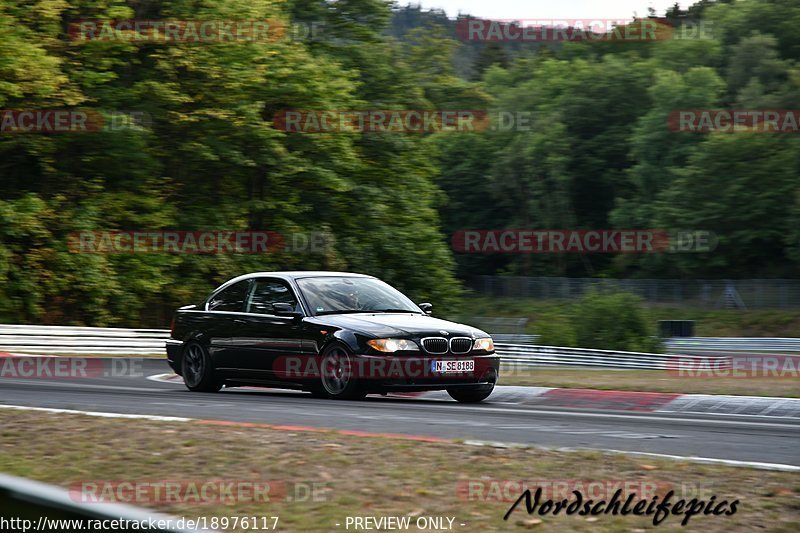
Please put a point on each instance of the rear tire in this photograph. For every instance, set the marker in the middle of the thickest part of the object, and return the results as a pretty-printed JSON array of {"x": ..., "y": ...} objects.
[
  {"x": 198, "y": 370},
  {"x": 475, "y": 395},
  {"x": 337, "y": 376}
]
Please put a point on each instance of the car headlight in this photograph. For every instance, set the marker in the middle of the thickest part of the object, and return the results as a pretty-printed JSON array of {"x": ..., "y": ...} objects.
[
  {"x": 392, "y": 345},
  {"x": 484, "y": 344}
]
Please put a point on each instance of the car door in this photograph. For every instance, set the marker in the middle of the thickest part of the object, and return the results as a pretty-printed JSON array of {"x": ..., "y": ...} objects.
[
  {"x": 268, "y": 339},
  {"x": 224, "y": 325}
]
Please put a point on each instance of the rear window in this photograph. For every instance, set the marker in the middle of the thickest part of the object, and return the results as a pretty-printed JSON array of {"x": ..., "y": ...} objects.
[{"x": 231, "y": 298}]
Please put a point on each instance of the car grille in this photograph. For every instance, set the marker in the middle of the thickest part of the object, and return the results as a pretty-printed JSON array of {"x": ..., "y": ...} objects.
[
  {"x": 460, "y": 345},
  {"x": 440, "y": 345},
  {"x": 435, "y": 345}
]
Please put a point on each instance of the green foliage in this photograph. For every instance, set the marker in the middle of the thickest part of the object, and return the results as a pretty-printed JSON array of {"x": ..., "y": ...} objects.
[
  {"x": 596, "y": 152},
  {"x": 613, "y": 322},
  {"x": 599, "y": 321},
  {"x": 599, "y": 153},
  {"x": 556, "y": 328},
  {"x": 551, "y": 318},
  {"x": 752, "y": 212},
  {"x": 209, "y": 158}
]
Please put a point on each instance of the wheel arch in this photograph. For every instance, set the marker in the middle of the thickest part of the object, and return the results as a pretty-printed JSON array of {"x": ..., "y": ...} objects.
[
  {"x": 347, "y": 338},
  {"x": 195, "y": 338}
]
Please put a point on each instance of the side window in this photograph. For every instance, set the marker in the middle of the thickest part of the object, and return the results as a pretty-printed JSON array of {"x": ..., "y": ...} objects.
[
  {"x": 268, "y": 292},
  {"x": 231, "y": 298}
]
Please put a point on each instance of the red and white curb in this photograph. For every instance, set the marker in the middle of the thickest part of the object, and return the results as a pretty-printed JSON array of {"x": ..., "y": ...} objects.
[{"x": 646, "y": 402}]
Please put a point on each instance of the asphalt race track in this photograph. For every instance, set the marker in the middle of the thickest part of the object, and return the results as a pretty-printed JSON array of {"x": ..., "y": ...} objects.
[{"x": 726, "y": 437}]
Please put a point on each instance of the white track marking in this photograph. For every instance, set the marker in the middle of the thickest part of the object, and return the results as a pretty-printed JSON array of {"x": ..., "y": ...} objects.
[
  {"x": 169, "y": 377},
  {"x": 98, "y": 413},
  {"x": 711, "y": 460},
  {"x": 693, "y": 459},
  {"x": 73, "y": 385}
]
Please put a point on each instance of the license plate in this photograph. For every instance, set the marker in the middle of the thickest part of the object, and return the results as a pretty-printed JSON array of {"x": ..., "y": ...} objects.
[{"x": 445, "y": 367}]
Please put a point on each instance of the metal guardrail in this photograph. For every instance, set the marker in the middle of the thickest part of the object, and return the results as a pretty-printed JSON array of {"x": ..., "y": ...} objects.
[
  {"x": 532, "y": 355},
  {"x": 516, "y": 349},
  {"x": 718, "y": 351},
  {"x": 81, "y": 340},
  {"x": 785, "y": 345},
  {"x": 37, "y": 506},
  {"x": 513, "y": 338}
]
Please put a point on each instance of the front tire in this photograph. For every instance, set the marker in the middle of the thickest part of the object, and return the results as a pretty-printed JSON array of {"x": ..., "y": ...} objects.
[
  {"x": 470, "y": 395},
  {"x": 198, "y": 370},
  {"x": 337, "y": 376}
]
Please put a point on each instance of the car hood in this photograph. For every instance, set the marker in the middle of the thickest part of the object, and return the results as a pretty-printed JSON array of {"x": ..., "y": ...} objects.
[{"x": 400, "y": 325}]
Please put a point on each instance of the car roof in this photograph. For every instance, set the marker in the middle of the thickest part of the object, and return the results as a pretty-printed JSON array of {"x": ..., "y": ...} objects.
[{"x": 296, "y": 274}]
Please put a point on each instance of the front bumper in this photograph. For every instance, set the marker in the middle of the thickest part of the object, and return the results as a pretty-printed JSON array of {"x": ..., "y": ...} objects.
[
  {"x": 415, "y": 373},
  {"x": 174, "y": 351}
]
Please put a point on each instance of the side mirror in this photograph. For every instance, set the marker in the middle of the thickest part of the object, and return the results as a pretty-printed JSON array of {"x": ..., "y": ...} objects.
[
  {"x": 426, "y": 307},
  {"x": 284, "y": 309}
]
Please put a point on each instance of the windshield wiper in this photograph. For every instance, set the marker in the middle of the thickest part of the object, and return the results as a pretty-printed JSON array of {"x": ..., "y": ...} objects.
[
  {"x": 343, "y": 312},
  {"x": 349, "y": 311},
  {"x": 390, "y": 310}
]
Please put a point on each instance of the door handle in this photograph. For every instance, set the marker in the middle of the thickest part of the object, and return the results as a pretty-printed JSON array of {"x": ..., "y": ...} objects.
[{"x": 239, "y": 321}]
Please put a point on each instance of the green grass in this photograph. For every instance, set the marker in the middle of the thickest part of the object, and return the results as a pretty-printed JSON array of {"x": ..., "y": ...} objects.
[
  {"x": 370, "y": 476},
  {"x": 647, "y": 381}
]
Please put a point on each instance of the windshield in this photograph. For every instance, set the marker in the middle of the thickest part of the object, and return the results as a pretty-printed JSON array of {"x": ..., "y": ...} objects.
[{"x": 330, "y": 294}]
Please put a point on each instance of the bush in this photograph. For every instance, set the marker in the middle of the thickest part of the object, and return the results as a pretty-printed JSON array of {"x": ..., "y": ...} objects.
[
  {"x": 600, "y": 321},
  {"x": 613, "y": 322},
  {"x": 556, "y": 328}
]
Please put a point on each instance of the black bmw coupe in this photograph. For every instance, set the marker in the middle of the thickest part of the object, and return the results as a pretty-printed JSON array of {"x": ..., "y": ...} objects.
[{"x": 334, "y": 334}]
